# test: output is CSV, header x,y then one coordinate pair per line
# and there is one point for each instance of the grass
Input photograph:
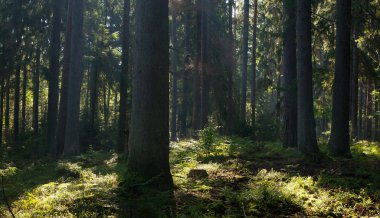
x,y
245,179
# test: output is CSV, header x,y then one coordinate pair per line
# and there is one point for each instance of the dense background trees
x,y
80,75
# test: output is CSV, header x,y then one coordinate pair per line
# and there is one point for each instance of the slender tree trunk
x,y
290,74
306,136
253,82
36,92
197,124
7,108
340,131
149,140
360,115
23,100
204,77
16,109
94,98
1,112
71,146
354,92
244,61
54,75
186,72
123,108
173,123
62,116
369,114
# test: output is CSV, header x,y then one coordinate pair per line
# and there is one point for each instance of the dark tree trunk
x,y
230,71
23,100
204,77
1,112
94,98
306,136
339,144
16,109
71,146
36,92
354,92
62,116
197,124
186,73
7,108
360,115
253,82
173,122
290,74
244,61
369,111
149,139
123,107
54,75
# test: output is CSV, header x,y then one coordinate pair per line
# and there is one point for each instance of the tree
x,y
244,61
149,136
122,139
197,120
290,74
71,146
339,144
306,136
254,73
62,116
173,122
36,92
54,74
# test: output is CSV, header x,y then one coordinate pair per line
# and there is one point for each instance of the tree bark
x,y
1,111
306,136
290,74
36,92
23,100
244,61
54,75
16,104
149,139
7,108
254,72
123,107
204,76
72,146
62,116
173,122
197,124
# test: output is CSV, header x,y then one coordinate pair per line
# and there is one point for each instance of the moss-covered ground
x,y
245,179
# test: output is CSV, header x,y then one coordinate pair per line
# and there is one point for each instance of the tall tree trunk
x,y
290,74
253,82
173,122
149,140
71,146
360,115
94,98
354,92
62,116
16,109
244,61
306,136
340,131
1,112
7,108
369,111
230,71
54,75
36,92
123,107
186,72
197,124
23,100
204,77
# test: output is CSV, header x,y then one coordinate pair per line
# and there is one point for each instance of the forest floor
x,y
244,179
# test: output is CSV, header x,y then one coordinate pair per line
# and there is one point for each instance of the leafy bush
x,y
207,138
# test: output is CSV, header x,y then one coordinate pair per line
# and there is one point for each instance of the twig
x,y
5,198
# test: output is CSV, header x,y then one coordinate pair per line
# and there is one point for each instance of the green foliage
x,y
207,138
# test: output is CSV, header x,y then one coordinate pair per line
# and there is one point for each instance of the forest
x,y
189,108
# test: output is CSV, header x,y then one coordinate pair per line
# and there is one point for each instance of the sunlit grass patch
x,y
367,149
